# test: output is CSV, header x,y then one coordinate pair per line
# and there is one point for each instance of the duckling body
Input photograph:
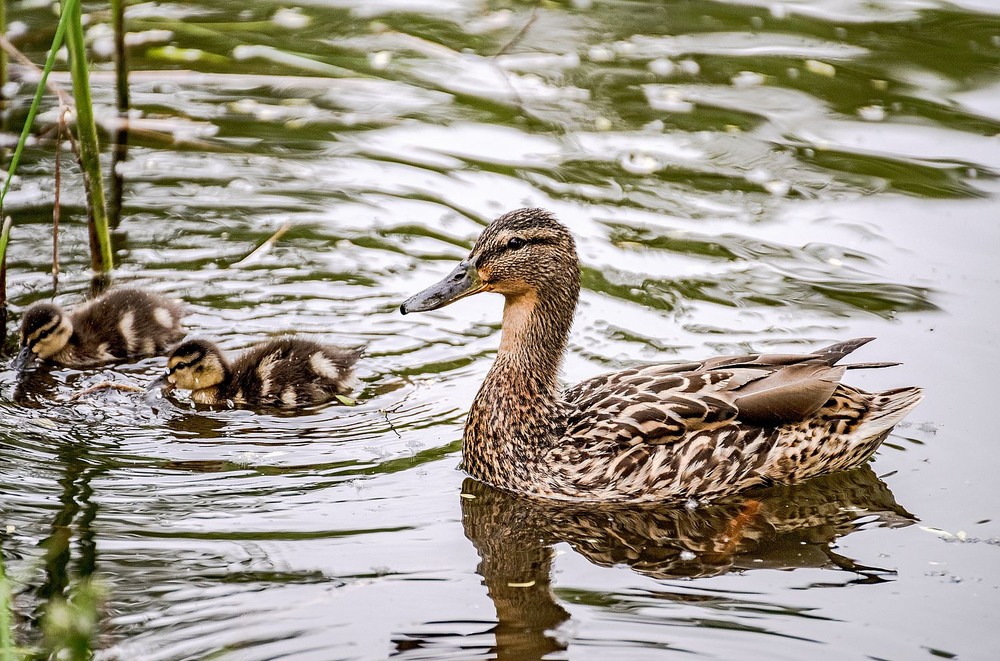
x,y
120,324
283,373
702,429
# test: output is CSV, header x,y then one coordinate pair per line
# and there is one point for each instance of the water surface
x,y
739,176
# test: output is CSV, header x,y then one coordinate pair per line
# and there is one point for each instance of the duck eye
x,y
516,243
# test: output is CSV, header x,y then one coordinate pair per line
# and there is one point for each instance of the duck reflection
x,y
35,388
776,528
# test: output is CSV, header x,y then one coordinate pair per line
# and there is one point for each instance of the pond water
x,y
765,175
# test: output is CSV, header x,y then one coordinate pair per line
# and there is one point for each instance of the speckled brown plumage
x,y
282,373
122,323
700,429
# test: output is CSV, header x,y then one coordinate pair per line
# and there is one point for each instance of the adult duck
x,y
701,429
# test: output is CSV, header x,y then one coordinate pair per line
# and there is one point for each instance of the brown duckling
x,y
283,373
701,429
120,324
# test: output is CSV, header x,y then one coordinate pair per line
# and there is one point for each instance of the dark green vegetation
x,y
738,176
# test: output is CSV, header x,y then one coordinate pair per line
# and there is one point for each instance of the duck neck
x,y
518,413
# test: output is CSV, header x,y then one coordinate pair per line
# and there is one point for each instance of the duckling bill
x,y
284,373
121,324
701,429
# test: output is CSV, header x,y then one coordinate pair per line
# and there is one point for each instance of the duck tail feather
x,y
833,353
870,366
888,408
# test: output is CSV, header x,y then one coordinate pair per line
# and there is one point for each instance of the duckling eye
x,y
178,366
516,243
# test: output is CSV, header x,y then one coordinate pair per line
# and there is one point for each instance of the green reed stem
x,y
90,149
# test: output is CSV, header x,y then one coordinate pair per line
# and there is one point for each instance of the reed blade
x,y
90,150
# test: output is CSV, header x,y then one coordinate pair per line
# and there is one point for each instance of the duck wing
x,y
664,403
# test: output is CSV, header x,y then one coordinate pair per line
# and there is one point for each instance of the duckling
x,y
120,324
283,373
696,430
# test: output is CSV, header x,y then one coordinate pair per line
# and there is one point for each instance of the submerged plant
x,y
7,650
70,625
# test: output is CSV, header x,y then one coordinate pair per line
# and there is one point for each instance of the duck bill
x,y
463,281
25,357
162,383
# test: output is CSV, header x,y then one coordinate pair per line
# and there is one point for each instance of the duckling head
x,y
45,330
524,254
196,364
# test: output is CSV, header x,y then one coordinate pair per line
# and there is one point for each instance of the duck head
x,y
193,365
45,330
524,253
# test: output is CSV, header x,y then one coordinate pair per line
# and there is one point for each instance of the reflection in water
x,y
776,528
77,509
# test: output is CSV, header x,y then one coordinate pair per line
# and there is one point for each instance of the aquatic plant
x,y
7,650
70,625
90,148
70,28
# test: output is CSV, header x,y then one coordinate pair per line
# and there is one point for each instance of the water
x,y
739,175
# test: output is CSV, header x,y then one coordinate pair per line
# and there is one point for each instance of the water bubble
x,y
16,29
244,106
670,100
380,60
872,113
626,48
662,67
600,54
747,79
640,163
134,39
102,41
758,176
821,68
291,18
690,67
777,187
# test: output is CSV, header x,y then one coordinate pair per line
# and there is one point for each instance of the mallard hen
x,y
283,373
120,324
700,429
